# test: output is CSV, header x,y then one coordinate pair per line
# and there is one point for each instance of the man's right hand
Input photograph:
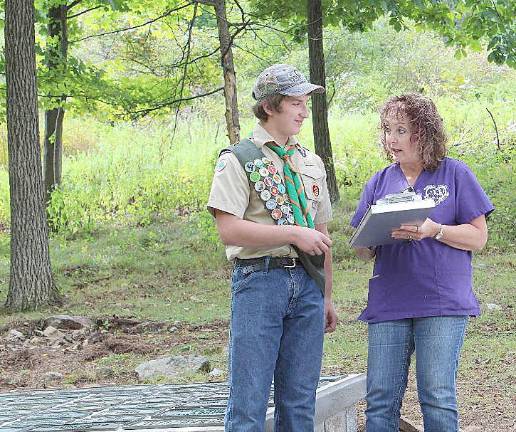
x,y
237,232
311,241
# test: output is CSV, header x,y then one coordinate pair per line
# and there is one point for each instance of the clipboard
x,y
387,215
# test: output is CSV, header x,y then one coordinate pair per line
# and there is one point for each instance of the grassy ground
x,y
173,272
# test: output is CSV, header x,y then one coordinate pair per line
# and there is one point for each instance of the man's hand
x,y
330,316
311,241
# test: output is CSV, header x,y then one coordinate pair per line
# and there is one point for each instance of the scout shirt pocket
x,y
312,177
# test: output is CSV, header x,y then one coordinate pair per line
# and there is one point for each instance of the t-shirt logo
x,y
437,192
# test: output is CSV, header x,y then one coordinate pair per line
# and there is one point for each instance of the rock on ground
x,y
172,366
68,322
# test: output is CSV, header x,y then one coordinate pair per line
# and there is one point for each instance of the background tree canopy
x,y
462,23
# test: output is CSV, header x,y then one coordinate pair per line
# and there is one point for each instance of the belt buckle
x,y
291,266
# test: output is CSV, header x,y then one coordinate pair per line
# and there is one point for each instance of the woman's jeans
x,y
277,330
437,342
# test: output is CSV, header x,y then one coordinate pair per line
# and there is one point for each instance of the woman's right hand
x,y
429,228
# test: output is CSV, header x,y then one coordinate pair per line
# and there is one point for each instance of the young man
x,y
271,204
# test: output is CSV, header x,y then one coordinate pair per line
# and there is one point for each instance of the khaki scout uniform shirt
x,y
230,192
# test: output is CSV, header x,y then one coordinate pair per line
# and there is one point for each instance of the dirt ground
x,y
73,358
70,358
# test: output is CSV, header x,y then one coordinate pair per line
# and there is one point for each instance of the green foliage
x,y
126,58
136,174
203,228
501,191
5,200
464,23
365,69
144,59
473,140
356,152
132,179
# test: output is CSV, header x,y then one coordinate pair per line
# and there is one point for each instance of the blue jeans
x,y
437,342
277,330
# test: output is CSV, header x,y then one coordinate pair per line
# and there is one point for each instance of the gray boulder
x,y
172,366
68,322
52,332
216,373
15,336
49,377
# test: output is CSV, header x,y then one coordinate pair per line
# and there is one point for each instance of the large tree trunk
x,y
31,284
230,90
319,103
55,59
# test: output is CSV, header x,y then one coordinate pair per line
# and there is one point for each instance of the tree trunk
x,y
230,90
31,284
319,103
55,59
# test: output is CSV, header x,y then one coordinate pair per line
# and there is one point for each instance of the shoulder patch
x,y
221,164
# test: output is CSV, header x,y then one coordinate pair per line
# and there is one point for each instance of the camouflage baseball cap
x,y
285,80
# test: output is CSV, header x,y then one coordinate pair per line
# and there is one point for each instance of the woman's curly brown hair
x,y
425,122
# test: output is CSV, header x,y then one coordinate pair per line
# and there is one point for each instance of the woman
x,y
420,295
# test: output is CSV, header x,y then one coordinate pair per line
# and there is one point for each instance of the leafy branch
x,y
125,29
172,102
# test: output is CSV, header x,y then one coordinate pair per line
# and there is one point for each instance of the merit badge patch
x,y
269,185
315,190
221,164
276,214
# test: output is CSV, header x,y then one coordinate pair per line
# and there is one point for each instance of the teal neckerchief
x,y
294,185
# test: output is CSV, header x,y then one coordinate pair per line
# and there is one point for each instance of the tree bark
x,y
55,59
31,284
319,102
228,67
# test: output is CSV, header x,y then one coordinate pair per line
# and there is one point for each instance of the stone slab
x,y
155,408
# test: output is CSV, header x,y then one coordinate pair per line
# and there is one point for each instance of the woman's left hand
x,y
429,228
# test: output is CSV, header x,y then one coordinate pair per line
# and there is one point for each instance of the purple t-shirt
x,y
427,277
